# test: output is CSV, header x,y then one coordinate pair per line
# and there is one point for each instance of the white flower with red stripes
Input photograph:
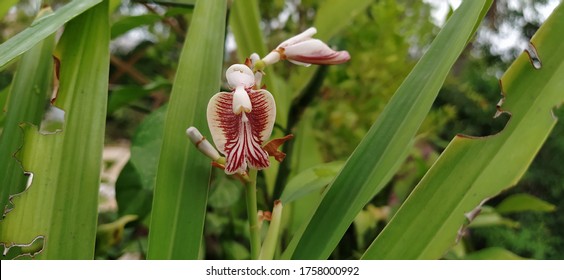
x,y
241,120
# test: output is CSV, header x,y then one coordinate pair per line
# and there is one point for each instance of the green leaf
x,y
4,93
181,191
235,250
472,169
61,204
306,151
22,251
131,196
28,97
111,234
146,146
493,253
188,3
489,217
386,144
310,180
136,182
524,202
125,95
334,15
125,24
225,192
39,30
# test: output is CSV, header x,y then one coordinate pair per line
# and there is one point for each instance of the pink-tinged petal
x,y
309,47
306,35
330,59
314,51
240,136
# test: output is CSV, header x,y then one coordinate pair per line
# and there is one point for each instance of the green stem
x,y
271,240
252,213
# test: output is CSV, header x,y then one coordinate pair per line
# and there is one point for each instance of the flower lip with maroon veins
x,y
240,121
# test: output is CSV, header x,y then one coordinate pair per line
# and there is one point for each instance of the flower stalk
x,y
254,228
271,239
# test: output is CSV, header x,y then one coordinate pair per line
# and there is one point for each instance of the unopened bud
x,y
202,143
254,58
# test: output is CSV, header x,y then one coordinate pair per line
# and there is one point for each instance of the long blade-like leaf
x,y
61,204
182,3
39,30
334,15
30,92
473,169
181,191
384,148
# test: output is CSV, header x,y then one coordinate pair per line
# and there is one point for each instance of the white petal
x,y
258,78
220,102
194,134
270,109
240,136
300,63
271,58
241,101
240,75
308,48
306,35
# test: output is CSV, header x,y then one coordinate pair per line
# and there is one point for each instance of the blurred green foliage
x,y
385,41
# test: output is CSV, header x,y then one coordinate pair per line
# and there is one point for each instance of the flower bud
x,y
302,49
202,143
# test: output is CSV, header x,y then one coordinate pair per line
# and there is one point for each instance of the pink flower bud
x,y
302,49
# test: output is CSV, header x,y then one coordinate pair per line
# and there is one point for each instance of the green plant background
x,y
168,57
